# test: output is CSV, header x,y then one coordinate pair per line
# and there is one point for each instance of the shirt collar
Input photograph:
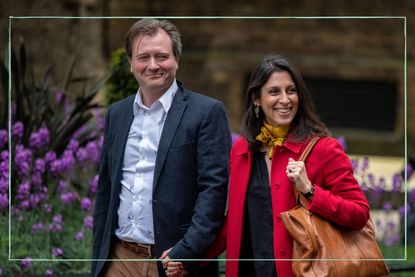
x,y
165,100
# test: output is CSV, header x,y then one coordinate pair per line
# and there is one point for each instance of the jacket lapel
x,y
122,127
169,130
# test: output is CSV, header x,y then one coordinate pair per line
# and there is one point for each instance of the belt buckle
x,y
147,249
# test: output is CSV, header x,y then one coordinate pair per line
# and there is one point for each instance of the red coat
x,y
338,197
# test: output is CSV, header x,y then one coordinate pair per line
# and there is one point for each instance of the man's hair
x,y
149,27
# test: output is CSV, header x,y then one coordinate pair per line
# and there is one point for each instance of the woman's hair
x,y
305,123
149,27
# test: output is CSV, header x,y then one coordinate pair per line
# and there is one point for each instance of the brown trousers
x,y
124,268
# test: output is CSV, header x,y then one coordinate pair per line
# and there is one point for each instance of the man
x,y
164,166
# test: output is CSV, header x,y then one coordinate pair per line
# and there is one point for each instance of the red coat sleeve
x,y
338,196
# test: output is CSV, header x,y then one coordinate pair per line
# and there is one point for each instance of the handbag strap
x,y
308,149
299,196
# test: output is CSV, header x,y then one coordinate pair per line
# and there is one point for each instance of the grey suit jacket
x,y
190,178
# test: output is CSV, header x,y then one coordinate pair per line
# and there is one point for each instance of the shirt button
x,y
282,252
278,217
277,186
130,216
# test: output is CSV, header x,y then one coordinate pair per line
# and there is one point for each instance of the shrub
x,y
55,148
121,82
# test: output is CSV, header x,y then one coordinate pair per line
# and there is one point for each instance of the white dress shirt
x,y
135,214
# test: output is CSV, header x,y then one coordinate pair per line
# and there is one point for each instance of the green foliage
x,y
121,82
38,245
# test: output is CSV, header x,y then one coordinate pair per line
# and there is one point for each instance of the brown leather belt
x,y
144,250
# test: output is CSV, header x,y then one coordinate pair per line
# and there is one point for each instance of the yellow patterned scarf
x,y
272,136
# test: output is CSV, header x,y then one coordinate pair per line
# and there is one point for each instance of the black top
x,y
257,234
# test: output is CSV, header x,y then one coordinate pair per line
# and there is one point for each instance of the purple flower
x,y
67,160
4,186
35,141
387,207
73,145
93,150
392,240
25,205
58,218
5,155
55,227
93,184
67,198
3,138
37,179
17,131
24,189
4,170
59,95
396,182
39,165
88,222
56,252
44,135
81,155
48,208
355,165
390,225
22,159
49,272
86,204
371,179
26,262
37,198
50,157
40,139
55,167
79,235
4,201
342,141
62,184
37,227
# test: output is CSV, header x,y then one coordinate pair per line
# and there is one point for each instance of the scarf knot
x,y
272,136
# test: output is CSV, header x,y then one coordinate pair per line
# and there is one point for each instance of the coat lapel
x,y
169,130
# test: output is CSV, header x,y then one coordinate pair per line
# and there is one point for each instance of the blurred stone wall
x,y
218,54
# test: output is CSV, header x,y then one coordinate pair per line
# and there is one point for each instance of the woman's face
x,y
279,99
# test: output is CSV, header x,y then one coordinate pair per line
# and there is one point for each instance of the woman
x,y
278,121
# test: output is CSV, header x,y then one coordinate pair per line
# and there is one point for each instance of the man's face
x,y
153,63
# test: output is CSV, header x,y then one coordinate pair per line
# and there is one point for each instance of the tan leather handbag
x,y
322,248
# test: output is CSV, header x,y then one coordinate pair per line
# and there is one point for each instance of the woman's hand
x,y
297,173
174,269
171,268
